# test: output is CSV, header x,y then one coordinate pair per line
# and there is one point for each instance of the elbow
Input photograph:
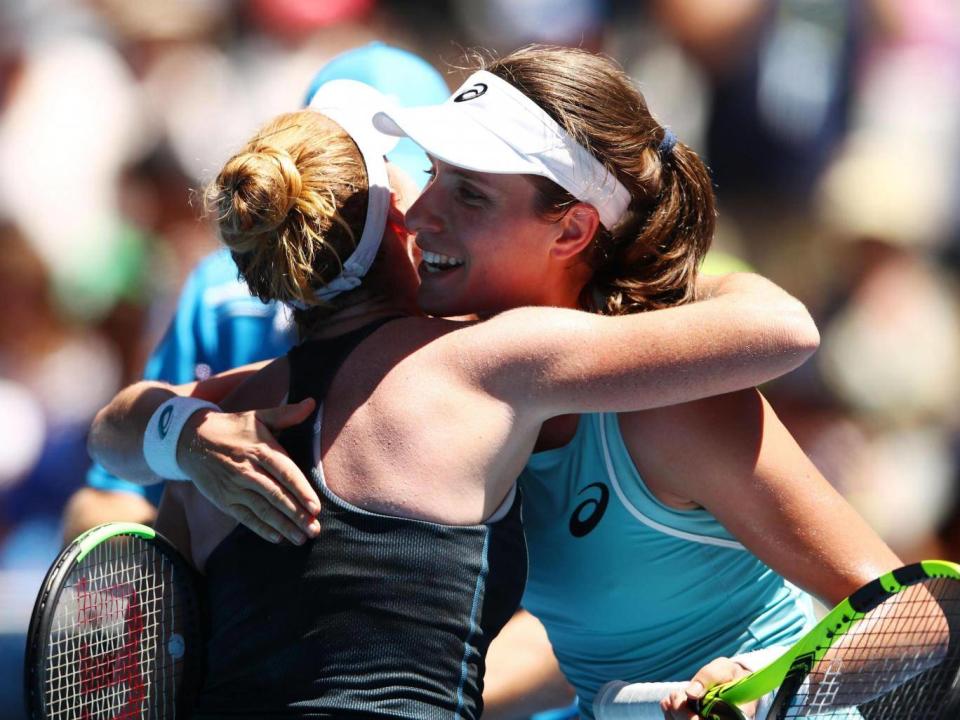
x,y
797,331
95,435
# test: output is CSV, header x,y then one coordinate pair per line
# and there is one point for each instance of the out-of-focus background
x,y
832,128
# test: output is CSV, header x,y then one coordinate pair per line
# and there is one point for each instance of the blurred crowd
x,y
832,128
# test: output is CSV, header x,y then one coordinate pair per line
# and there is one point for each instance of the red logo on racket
x,y
103,671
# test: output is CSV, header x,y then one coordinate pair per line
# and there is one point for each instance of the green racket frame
x,y
52,586
720,702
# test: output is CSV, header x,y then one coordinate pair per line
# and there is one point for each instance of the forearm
x,y
765,490
523,676
217,387
116,435
745,333
788,319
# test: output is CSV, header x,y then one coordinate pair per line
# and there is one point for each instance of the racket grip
x,y
618,700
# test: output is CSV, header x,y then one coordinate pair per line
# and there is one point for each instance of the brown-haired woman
x,y
658,539
427,424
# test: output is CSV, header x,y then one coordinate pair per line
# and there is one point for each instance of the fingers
x,y
272,458
236,462
676,706
272,491
246,517
681,704
284,416
263,519
275,461
716,672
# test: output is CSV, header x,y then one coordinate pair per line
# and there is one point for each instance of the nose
x,y
422,215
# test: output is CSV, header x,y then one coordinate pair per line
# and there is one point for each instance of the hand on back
x,y
237,464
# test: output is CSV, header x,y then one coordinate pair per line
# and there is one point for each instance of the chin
x,y
441,304
435,307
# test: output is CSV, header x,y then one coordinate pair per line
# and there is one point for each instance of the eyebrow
x,y
462,173
470,177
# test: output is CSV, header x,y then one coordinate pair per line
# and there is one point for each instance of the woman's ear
x,y
577,228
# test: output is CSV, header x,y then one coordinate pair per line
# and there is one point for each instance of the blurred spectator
x,y
69,126
41,356
507,24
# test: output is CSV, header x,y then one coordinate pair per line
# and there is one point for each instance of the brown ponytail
x,y
650,259
291,206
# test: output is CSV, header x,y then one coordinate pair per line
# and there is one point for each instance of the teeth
x,y
438,260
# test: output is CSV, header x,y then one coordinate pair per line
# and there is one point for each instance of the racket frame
x,y
799,659
34,672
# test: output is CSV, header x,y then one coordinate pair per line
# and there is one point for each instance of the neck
x,y
353,317
563,298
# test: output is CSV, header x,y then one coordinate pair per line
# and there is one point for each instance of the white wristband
x,y
163,432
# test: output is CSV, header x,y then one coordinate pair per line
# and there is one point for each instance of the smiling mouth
x,y
437,262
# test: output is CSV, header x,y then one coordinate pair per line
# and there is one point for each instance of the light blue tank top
x,y
630,589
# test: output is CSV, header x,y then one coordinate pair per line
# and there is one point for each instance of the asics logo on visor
x,y
471,93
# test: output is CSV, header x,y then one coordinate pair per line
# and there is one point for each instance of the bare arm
x,y
239,466
746,332
523,676
736,459
116,434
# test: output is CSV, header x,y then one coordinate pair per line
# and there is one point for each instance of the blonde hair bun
x,y
258,189
290,205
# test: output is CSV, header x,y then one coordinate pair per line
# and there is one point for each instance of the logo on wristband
x,y
165,418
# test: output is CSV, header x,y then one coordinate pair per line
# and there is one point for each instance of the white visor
x,y
488,125
352,105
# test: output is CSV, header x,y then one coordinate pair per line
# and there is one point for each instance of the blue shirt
x,y
630,589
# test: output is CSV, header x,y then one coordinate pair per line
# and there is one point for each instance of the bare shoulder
x,y
680,449
458,344
709,422
405,356
413,341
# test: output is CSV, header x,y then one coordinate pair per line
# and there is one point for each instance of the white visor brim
x,y
490,126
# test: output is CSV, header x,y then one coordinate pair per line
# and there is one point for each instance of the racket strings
x,y
896,663
105,656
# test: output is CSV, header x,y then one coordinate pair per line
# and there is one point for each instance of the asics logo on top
x,y
588,514
471,93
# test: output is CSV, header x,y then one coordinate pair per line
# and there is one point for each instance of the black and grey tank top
x,y
378,617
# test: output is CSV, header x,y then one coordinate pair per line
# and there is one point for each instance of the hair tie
x,y
667,144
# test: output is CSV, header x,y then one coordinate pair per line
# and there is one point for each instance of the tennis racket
x,y
890,651
115,631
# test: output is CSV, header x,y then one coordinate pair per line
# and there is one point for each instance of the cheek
x,y
414,252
